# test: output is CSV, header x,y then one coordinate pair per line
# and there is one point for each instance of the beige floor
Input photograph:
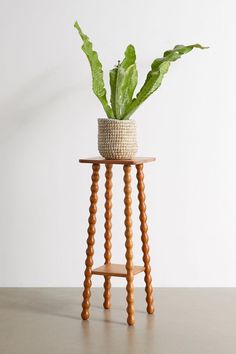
x,y
187,321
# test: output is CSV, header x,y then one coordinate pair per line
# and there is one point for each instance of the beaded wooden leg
x,y
90,243
129,245
144,238
108,234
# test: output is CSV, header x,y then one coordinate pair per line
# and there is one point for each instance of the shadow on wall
x,y
33,99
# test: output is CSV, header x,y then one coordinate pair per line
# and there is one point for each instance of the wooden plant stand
x,y
109,269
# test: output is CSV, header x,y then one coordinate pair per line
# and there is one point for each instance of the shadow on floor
x,y
48,302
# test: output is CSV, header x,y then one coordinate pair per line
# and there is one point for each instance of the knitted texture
x,y
117,138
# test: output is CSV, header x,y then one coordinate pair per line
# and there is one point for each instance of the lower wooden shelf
x,y
116,270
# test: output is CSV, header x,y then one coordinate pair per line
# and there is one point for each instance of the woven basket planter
x,y
117,138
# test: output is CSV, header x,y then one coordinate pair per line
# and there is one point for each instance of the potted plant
x,y
117,133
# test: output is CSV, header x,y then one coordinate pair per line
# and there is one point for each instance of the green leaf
x,y
129,58
123,80
154,78
127,88
96,70
113,78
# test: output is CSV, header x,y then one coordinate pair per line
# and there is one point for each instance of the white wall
x,y
48,120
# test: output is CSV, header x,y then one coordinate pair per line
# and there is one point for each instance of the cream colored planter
x,y
117,138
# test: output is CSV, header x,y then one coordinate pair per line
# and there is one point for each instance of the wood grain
x,y
108,234
90,242
134,161
145,238
116,270
129,245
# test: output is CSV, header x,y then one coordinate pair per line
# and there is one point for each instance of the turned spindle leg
x,y
90,243
108,234
129,245
144,238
